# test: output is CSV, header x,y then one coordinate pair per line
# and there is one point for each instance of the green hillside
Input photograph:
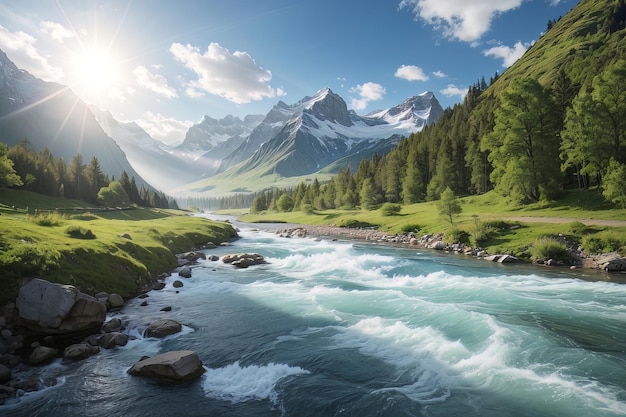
x,y
85,247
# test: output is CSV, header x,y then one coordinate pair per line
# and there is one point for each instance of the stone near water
x,y
80,351
46,307
171,367
163,327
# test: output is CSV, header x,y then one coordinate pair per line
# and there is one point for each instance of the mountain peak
x,y
328,106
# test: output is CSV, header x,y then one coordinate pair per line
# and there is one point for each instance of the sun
x,y
96,70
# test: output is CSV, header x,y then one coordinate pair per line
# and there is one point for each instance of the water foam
x,y
236,384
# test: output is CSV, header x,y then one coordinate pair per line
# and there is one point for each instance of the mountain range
x,y
51,115
316,134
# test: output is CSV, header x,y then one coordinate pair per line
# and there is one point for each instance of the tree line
x,y
529,144
21,167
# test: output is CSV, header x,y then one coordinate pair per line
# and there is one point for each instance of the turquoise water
x,y
354,329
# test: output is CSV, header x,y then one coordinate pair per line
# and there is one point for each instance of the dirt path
x,y
587,222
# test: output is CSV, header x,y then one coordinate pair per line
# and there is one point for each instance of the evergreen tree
x,y
76,185
367,194
95,178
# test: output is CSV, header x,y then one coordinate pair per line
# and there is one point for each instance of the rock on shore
x,y
51,308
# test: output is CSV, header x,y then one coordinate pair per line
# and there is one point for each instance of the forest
x,y
40,172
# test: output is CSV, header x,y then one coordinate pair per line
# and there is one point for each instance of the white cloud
x,y
235,77
24,54
452,90
166,129
367,92
439,74
506,53
57,31
153,82
411,73
465,20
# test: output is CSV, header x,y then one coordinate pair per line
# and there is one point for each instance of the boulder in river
x,y
162,328
80,351
51,308
110,340
243,260
185,272
42,354
171,367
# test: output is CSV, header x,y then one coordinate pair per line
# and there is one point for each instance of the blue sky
x,y
165,64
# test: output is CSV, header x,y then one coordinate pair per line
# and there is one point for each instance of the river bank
x,y
611,263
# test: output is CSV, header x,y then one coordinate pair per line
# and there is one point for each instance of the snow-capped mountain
x,y
317,131
210,133
159,164
211,140
51,115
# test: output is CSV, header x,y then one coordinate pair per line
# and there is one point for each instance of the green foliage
x,y
604,242
8,176
550,248
456,235
390,209
355,224
27,259
113,196
47,219
482,232
614,183
410,228
449,205
285,203
524,143
79,232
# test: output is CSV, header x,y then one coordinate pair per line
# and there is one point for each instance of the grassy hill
x,y
64,241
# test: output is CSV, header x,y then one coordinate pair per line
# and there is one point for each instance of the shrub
x,y
457,236
609,241
48,219
408,228
79,232
354,224
550,248
391,209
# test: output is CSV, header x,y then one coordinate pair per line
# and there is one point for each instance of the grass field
x,y
498,226
85,248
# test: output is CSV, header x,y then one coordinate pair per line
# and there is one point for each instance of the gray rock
x,y
113,339
177,284
185,272
213,258
42,354
87,313
45,303
54,308
170,367
162,328
243,260
115,301
80,351
113,325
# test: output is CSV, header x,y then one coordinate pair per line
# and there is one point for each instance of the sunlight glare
x,y
96,69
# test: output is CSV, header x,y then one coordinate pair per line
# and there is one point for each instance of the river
x,y
346,328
